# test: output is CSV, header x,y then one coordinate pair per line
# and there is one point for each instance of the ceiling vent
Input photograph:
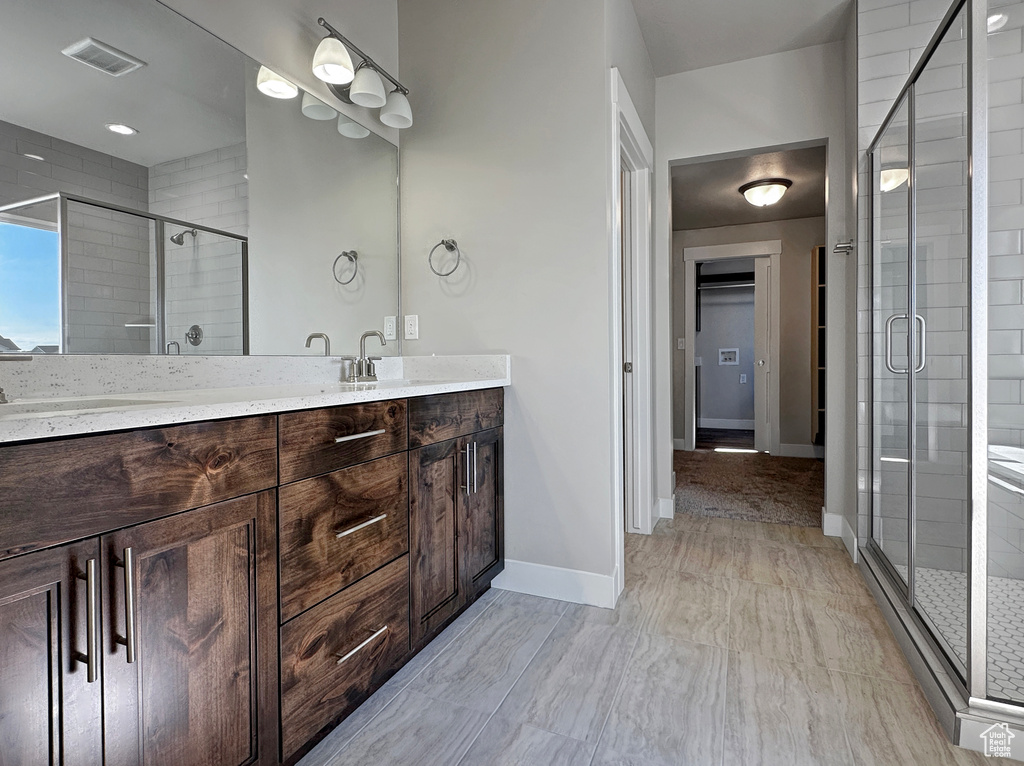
x,y
103,57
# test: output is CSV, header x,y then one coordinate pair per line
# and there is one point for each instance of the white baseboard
x,y
729,425
832,524
801,450
850,540
679,444
558,583
666,507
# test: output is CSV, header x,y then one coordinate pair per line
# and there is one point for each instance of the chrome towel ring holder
x,y
452,247
353,258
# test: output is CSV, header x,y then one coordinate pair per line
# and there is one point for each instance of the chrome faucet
x,y
327,342
12,358
363,370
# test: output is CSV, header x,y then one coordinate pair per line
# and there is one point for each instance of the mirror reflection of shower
x,y
179,238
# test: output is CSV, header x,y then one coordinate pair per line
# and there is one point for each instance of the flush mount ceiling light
x,y
270,83
315,109
350,128
997,21
364,85
892,178
121,129
332,62
765,192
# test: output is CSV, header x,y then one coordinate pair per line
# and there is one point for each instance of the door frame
x,y
772,250
629,144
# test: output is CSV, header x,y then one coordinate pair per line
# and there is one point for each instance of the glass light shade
x,y
332,62
765,193
368,89
315,109
997,21
351,129
396,112
893,178
270,83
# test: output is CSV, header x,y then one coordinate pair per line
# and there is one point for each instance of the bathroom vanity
x,y
224,591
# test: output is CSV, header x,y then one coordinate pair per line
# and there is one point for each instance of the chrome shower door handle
x,y
923,350
888,344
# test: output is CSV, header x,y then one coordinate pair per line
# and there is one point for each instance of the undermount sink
x,y
75,405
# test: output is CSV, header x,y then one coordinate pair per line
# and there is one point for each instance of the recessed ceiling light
x,y
765,192
121,129
35,157
997,21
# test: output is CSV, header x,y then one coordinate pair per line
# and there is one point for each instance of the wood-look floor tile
x,y
510,598
856,638
479,667
569,686
632,607
415,730
810,536
670,707
796,566
774,622
505,743
690,607
707,554
889,723
781,713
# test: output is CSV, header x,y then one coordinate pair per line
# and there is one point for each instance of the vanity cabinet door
x,y
436,588
50,713
201,588
481,512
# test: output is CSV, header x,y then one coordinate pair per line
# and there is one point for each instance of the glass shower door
x,y
890,347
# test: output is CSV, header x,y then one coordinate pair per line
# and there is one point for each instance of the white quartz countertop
x,y
33,418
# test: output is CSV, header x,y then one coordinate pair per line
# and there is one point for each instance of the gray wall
x,y
799,237
727,321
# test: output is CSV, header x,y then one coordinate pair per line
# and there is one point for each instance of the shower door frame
x,y
974,685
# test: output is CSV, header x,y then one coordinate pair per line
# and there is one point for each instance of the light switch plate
x,y
743,379
681,344
390,328
412,327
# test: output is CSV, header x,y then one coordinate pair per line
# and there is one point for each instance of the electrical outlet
x,y
743,379
681,344
390,328
412,327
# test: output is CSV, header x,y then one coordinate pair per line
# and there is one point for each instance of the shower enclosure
x,y
947,364
128,281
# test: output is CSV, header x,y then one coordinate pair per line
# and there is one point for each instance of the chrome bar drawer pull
x,y
362,645
92,632
475,477
128,564
365,524
364,435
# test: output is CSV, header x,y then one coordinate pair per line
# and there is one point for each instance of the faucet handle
x,y
352,367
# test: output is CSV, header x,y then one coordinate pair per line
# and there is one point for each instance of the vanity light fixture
x,y
270,83
35,157
365,86
332,62
765,192
997,21
350,128
315,109
121,129
892,178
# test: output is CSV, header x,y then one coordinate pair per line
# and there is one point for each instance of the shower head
x,y
179,238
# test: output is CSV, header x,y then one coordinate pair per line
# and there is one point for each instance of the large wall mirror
x,y
153,200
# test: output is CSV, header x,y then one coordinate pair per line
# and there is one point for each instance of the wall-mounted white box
x,y
729,356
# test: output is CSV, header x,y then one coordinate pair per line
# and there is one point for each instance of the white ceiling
x,y
188,99
682,36
706,194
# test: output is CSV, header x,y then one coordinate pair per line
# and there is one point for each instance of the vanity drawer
x,y
367,504
317,441
57,491
446,416
335,654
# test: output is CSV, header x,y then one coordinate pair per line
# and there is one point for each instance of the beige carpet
x,y
750,487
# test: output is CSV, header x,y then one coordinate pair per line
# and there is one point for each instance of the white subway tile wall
x,y
204,275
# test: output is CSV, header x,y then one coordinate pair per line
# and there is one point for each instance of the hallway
x,y
761,637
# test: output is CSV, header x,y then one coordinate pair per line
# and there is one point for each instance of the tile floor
x,y
734,643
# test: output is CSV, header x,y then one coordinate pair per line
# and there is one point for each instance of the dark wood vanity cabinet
x,y
171,596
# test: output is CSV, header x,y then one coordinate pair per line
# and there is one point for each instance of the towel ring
x,y
452,247
353,258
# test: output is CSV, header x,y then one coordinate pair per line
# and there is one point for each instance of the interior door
x,y
762,354
186,599
633,523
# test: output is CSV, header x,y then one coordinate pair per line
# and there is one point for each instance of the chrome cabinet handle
x,y
357,527
364,435
92,632
888,343
362,645
467,485
475,476
924,344
128,564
